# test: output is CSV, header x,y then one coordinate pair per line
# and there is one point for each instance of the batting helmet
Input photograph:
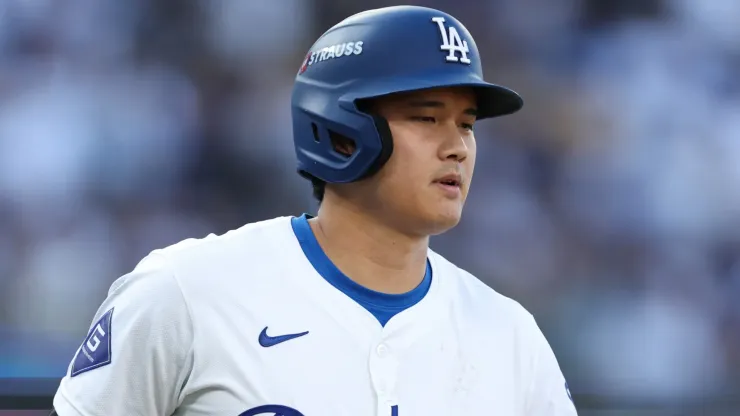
x,y
369,55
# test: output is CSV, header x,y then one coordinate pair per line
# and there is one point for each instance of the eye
x,y
424,119
467,126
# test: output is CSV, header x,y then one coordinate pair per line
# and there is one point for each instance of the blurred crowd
x,y
609,207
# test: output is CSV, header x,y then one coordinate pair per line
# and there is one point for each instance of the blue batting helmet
x,y
372,54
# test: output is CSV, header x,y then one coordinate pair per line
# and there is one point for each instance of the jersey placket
x,y
396,339
383,363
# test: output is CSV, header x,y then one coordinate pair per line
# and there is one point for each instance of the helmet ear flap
x,y
386,148
386,145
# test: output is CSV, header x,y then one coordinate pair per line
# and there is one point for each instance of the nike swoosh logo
x,y
268,341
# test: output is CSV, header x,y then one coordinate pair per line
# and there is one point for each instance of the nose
x,y
454,145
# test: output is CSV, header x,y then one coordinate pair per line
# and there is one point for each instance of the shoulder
x,y
213,268
481,303
241,242
163,276
245,248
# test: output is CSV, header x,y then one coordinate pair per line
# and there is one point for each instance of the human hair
x,y
319,188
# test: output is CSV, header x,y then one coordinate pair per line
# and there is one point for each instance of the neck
x,y
369,251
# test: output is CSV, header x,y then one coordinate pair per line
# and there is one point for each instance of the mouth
x,y
453,184
450,180
450,185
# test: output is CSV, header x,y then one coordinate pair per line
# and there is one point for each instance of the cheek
x,y
469,162
411,152
400,172
405,173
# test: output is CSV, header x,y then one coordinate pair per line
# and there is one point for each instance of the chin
x,y
429,217
443,220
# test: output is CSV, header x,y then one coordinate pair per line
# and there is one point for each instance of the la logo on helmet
x,y
452,43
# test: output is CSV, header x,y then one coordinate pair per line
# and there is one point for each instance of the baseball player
x,y
346,313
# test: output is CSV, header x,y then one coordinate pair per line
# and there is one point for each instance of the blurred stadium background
x,y
609,207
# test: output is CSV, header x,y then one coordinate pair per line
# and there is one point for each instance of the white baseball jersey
x,y
258,322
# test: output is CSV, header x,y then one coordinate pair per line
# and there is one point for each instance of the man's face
x,y
424,184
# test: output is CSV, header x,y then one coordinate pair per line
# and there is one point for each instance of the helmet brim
x,y
493,100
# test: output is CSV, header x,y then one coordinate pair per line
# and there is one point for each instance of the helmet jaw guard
x,y
361,58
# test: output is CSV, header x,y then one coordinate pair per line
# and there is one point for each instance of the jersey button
x,y
382,350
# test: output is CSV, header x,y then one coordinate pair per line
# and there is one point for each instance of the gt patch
x,y
95,352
